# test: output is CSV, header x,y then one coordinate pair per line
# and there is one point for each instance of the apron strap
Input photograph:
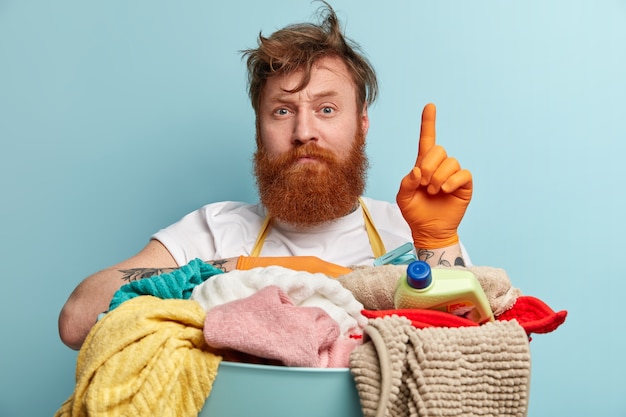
x,y
375,241
260,240
378,248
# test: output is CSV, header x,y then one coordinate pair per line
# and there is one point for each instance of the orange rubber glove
x,y
434,196
297,263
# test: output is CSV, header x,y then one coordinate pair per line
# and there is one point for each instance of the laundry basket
x,y
244,390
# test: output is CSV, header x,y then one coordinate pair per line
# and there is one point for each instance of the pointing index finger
x,y
427,131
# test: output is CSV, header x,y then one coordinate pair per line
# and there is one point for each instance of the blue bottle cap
x,y
419,275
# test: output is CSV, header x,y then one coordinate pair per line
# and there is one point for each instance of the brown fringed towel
x,y
466,371
374,286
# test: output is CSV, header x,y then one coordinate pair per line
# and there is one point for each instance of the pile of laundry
x,y
278,315
158,348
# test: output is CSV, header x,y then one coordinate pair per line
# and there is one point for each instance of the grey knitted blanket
x,y
467,371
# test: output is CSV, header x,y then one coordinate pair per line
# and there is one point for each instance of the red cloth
x,y
531,313
534,315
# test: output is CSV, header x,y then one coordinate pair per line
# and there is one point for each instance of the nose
x,y
304,129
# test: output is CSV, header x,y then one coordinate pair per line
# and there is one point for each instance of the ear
x,y
365,120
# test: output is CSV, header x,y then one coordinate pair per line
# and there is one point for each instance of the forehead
x,y
329,76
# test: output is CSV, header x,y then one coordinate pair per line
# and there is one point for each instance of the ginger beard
x,y
308,194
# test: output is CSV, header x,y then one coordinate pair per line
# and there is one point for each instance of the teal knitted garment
x,y
176,284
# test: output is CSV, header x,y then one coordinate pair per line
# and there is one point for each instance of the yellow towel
x,y
147,357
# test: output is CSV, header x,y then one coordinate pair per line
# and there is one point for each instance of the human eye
x,y
327,110
281,111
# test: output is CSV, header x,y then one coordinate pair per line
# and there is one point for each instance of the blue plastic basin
x,y
244,390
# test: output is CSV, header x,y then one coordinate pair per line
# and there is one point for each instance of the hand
x,y
433,197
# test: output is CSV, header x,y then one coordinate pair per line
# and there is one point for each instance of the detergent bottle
x,y
454,291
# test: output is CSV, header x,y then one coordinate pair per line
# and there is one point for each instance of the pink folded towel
x,y
268,325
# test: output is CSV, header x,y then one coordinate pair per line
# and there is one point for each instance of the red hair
x,y
298,47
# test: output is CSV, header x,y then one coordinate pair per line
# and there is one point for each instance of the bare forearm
x,y
93,297
226,265
448,256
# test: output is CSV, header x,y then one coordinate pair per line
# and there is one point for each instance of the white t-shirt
x,y
230,229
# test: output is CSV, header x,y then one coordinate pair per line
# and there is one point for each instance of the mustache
x,y
310,151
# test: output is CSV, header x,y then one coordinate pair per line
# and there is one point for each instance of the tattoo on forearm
x,y
136,274
443,262
220,264
425,255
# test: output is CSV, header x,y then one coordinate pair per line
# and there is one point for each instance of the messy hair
x,y
298,47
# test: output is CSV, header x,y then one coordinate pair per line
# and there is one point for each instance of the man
x,y
310,89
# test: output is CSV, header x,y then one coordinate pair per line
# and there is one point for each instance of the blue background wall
x,y
117,118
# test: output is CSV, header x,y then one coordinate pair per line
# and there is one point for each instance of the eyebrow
x,y
284,97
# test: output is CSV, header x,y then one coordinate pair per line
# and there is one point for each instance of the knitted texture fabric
x,y
373,286
176,284
466,371
148,357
